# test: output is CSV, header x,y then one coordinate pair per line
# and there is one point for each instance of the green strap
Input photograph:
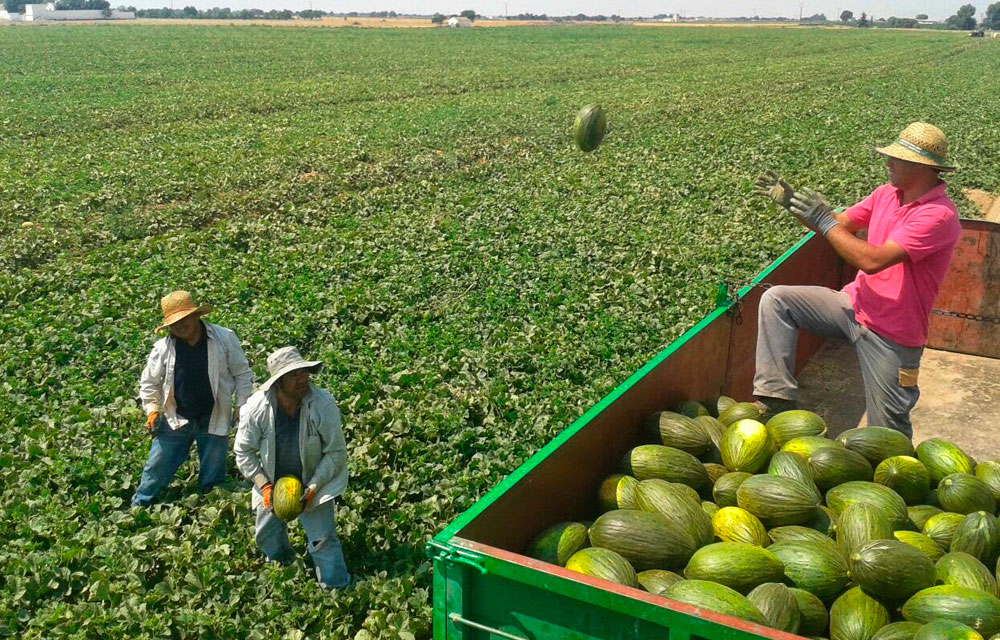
x,y
933,157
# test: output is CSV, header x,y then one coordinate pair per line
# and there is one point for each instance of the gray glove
x,y
813,210
770,185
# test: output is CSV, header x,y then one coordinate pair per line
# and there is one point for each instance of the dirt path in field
x,y
988,203
342,22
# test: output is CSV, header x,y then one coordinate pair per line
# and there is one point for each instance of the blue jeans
x,y
170,449
889,370
320,525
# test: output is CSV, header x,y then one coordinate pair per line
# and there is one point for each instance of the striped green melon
x,y
859,524
675,503
715,471
739,411
796,423
732,524
813,616
714,429
778,501
603,563
720,406
816,567
692,409
646,540
989,472
876,443
666,463
617,492
724,491
898,631
678,431
832,466
942,527
857,616
746,446
965,493
943,458
589,127
709,508
946,630
978,534
977,609
891,569
715,597
791,465
777,603
905,475
286,498
557,543
657,580
797,533
920,541
920,513
808,445
737,565
883,498
963,570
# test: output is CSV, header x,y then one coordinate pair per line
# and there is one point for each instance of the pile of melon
x,y
861,537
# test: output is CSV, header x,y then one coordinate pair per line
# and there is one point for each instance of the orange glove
x,y
308,496
151,422
266,492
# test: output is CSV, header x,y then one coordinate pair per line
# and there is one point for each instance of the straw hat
x,y
179,305
921,143
286,360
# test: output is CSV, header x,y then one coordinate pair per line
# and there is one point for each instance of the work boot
x,y
770,407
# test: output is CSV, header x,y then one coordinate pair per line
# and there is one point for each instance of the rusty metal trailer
x,y
484,587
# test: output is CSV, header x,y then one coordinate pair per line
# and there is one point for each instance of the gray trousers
x,y
889,370
320,525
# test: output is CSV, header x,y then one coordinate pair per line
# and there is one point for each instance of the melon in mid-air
x,y
590,127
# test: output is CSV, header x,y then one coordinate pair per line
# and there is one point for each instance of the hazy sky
x,y
936,9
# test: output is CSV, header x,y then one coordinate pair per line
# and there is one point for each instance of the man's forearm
x,y
861,254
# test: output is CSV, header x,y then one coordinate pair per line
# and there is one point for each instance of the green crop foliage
x,y
409,207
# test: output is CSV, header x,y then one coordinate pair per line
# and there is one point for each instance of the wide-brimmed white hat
x,y
285,360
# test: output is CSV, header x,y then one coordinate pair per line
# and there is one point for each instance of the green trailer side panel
x,y
514,600
560,482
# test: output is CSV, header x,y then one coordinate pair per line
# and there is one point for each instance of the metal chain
x,y
966,316
733,288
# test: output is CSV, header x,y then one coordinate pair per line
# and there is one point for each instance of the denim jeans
x,y
169,450
320,525
887,368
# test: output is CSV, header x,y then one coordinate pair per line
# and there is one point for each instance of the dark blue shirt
x,y
192,388
287,461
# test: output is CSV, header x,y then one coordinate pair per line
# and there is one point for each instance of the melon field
x,y
408,207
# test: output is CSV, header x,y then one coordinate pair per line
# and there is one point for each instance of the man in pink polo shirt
x,y
912,230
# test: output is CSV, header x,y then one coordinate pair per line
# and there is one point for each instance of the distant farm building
x,y
48,12
459,21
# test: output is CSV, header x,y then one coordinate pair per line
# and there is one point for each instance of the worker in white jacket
x,y
187,391
290,427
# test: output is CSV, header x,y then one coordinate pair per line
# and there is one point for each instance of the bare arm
x,y
862,254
